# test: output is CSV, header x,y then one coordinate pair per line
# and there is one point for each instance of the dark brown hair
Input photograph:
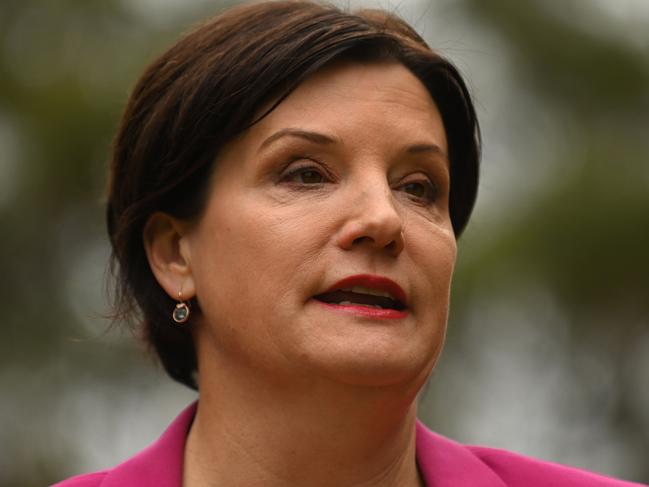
x,y
206,89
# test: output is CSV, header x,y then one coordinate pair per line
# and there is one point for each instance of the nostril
x,y
364,231
360,240
392,246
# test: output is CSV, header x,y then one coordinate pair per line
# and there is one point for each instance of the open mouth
x,y
361,296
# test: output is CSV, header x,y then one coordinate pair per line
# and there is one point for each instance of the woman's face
x,y
326,248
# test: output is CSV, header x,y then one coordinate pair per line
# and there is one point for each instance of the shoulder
x,y
158,465
86,480
447,463
515,469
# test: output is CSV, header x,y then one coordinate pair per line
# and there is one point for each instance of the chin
x,y
378,365
380,376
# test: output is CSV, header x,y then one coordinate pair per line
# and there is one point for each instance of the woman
x,y
287,187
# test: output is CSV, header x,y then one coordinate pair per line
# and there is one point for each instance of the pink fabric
x,y
158,465
442,463
446,463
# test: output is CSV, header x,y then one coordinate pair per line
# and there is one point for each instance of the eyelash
x,y
430,189
310,166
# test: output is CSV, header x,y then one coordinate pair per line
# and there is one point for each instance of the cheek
x,y
434,254
231,265
250,257
436,259
227,255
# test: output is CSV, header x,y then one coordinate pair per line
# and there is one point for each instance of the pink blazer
x,y
442,462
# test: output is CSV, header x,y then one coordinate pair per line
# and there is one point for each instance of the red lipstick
x,y
372,282
397,309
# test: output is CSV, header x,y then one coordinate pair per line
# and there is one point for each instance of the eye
x,y
420,190
306,174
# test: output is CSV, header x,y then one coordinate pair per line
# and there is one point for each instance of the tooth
x,y
365,290
349,303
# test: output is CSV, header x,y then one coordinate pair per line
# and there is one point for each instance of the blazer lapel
x,y
161,463
446,463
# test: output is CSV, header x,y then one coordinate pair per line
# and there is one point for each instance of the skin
x,y
292,392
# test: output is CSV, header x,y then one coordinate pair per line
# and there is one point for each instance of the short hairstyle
x,y
206,89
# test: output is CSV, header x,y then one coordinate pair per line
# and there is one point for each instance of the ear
x,y
168,252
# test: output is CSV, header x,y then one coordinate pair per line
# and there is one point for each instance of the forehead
x,y
375,82
348,96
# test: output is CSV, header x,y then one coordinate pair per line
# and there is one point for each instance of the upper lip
x,y
371,282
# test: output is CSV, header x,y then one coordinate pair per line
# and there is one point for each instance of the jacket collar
x,y
442,462
445,463
161,463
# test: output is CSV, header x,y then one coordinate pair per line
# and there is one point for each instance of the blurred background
x,y
548,345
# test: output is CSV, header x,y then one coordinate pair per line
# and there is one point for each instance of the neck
x,y
316,434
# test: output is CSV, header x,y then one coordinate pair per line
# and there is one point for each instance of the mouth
x,y
367,295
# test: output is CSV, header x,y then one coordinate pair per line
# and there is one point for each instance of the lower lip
x,y
357,310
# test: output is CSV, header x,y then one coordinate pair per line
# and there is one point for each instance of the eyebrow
x,y
430,148
314,137
322,139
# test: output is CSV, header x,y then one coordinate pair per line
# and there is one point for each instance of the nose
x,y
373,221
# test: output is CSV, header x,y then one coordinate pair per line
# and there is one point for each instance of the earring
x,y
181,311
